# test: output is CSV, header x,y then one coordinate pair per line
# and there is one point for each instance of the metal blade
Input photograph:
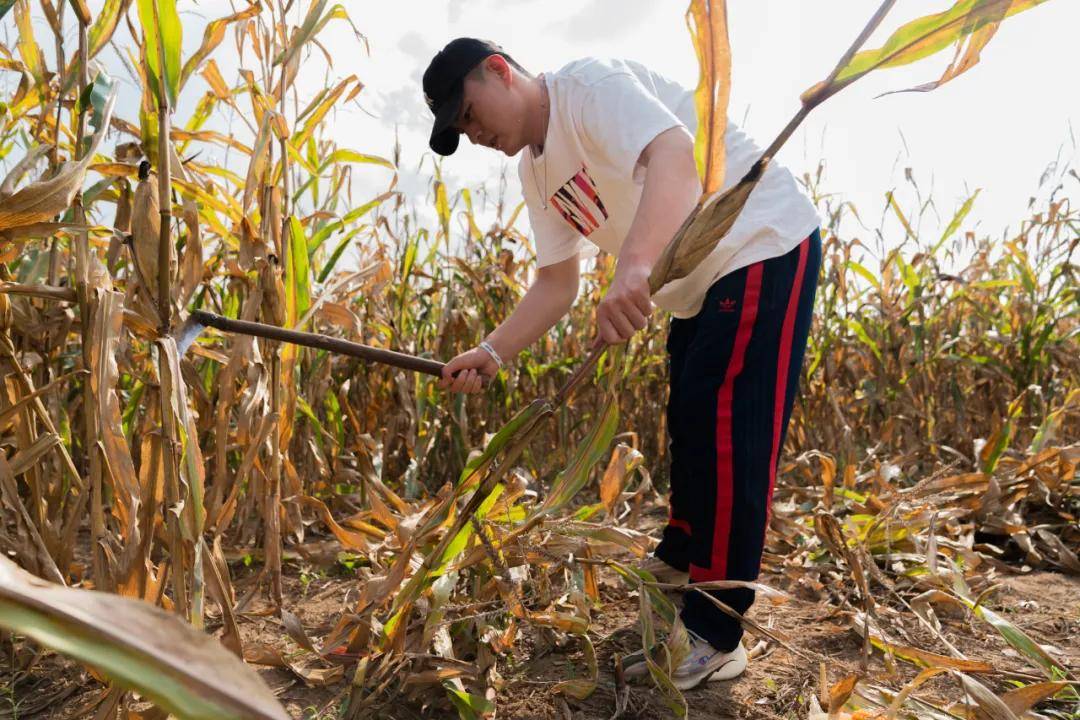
x,y
189,331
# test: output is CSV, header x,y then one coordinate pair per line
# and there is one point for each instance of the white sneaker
x,y
663,572
706,663
703,664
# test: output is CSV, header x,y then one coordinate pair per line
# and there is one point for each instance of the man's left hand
x,y
626,307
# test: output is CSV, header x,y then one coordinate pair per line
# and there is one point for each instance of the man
x,y
607,161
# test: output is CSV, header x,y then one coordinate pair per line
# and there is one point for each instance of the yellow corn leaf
x,y
212,75
925,658
699,234
707,21
212,37
313,24
313,115
103,28
840,692
442,206
348,538
260,155
29,51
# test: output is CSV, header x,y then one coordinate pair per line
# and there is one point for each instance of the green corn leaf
x,y
305,409
1019,640
138,646
462,538
864,273
517,424
860,332
468,706
409,259
591,450
332,261
956,221
297,274
344,155
972,20
94,97
162,33
358,212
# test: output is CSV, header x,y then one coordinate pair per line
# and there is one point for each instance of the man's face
x,y
492,109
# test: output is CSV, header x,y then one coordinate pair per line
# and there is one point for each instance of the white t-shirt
x,y
603,113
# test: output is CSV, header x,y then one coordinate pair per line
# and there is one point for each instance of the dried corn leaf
x,y
40,201
624,460
212,37
992,707
707,22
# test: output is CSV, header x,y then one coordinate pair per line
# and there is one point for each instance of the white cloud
x,y
609,18
417,47
404,107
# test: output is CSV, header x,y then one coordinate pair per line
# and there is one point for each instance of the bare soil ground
x,y
778,682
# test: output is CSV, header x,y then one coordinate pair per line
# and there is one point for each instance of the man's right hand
x,y
466,372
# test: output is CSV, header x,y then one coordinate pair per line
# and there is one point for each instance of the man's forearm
x,y
542,305
671,190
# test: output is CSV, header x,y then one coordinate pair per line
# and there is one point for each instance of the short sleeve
x,y
555,240
619,117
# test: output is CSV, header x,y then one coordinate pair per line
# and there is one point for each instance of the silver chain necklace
x,y
532,160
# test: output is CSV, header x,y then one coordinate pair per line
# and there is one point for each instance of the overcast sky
x,y
997,128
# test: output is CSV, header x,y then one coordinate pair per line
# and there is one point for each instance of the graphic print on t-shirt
x,y
579,203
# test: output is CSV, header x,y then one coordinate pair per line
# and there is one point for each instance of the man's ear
x,y
497,66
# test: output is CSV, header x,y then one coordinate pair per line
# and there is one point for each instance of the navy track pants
x,y
734,370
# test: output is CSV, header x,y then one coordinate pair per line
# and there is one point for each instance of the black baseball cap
x,y
444,83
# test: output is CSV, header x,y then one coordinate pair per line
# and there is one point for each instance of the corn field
x,y
177,515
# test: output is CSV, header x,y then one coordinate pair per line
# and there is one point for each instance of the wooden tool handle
x,y
323,342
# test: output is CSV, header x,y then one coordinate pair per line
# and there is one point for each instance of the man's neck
x,y
542,104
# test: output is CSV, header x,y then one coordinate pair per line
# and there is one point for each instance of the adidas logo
x,y
727,305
